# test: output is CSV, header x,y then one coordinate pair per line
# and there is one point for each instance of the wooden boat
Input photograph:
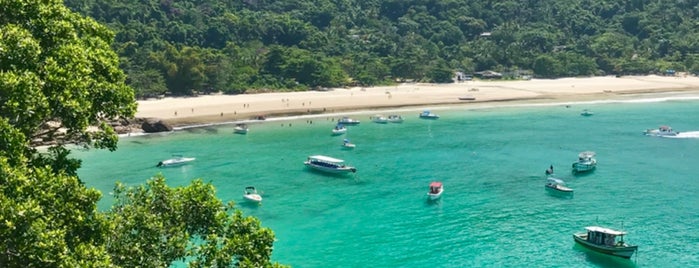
x,y
586,162
605,240
328,164
436,190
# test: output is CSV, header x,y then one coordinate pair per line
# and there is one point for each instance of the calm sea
x,y
494,211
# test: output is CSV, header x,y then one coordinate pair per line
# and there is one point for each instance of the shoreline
x,y
187,112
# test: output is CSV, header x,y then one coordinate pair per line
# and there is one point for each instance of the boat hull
x,y
559,189
621,251
253,197
432,196
174,162
583,167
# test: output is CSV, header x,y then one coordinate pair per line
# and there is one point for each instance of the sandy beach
x,y
228,108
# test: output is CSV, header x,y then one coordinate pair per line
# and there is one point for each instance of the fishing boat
x,y
394,118
426,114
251,194
339,129
605,240
586,162
661,131
347,121
436,190
347,144
177,160
557,185
241,129
379,119
328,164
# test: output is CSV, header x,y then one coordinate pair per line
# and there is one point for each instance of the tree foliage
x,y
58,73
491,34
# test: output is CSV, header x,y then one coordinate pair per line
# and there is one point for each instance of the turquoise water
x,y
494,212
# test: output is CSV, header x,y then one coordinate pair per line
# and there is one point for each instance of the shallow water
x,y
494,211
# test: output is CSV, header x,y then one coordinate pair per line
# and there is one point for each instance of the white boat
x,y
605,240
241,129
395,118
339,129
347,121
426,114
436,190
328,164
586,162
661,131
177,160
379,119
586,112
251,194
347,144
557,185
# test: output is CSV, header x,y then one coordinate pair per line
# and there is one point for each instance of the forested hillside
x,y
192,46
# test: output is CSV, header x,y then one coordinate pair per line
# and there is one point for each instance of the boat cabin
x,y
586,156
605,236
435,187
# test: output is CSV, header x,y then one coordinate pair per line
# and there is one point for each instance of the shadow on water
x,y
604,260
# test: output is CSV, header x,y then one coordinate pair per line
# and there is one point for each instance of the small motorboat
x,y
252,195
586,162
586,112
468,97
436,190
241,129
379,119
661,131
348,121
426,114
347,144
605,240
394,118
557,185
339,129
177,160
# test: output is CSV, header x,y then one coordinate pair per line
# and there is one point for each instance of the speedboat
x,y
328,164
586,112
605,240
557,185
347,121
586,162
436,190
252,195
661,131
241,129
426,114
395,118
379,119
177,160
347,144
339,129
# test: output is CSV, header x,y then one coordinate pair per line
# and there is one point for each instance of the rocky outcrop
x,y
153,125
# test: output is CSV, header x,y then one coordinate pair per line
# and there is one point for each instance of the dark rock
x,y
153,125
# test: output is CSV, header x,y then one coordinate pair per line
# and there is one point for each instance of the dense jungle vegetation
x,y
198,46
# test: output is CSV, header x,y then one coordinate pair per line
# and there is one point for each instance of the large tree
x,y
58,74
